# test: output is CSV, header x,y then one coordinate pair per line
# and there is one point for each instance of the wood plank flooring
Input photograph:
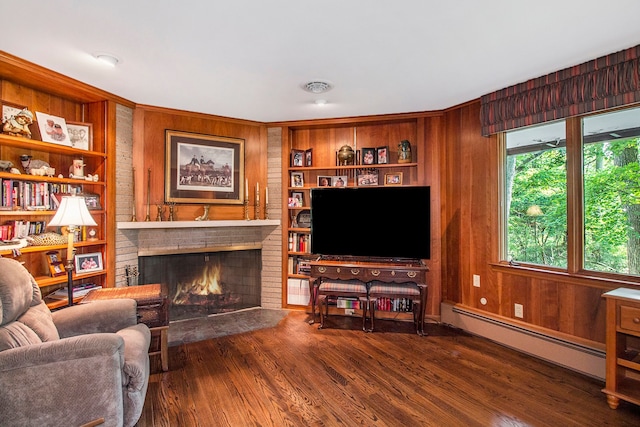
x,y
297,375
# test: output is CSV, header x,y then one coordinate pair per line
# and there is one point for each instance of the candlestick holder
x,y
246,209
266,211
257,209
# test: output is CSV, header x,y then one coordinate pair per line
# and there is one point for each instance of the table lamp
x,y
74,214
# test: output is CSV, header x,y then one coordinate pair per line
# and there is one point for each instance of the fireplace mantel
x,y
142,225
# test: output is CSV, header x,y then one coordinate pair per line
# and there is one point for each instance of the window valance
x,y
609,81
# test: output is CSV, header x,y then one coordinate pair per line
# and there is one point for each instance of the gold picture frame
x,y
394,178
203,168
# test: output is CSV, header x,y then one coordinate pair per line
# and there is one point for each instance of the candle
x,y
246,189
266,195
257,191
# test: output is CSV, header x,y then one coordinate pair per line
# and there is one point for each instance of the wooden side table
x,y
623,346
153,311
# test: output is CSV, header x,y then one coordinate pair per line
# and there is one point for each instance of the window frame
x,y
575,209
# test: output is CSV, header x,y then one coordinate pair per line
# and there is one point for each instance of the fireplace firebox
x,y
205,283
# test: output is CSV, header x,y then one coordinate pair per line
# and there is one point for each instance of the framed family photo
x,y
297,158
203,168
393,178
368,156
86,263
340,181
53,129
297,179
367,177
56,267
382,155
80,135
298,198
324,181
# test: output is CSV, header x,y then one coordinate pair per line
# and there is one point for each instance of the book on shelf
x,y
394,304
78,291
344,302
299,242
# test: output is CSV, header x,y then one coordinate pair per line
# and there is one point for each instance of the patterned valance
x,y
606,82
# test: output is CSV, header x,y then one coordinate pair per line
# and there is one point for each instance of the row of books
x,y
78,291
20,228
394,304
29,195
298,265
382,304
343,302
299,242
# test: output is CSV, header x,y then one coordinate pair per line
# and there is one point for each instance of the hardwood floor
x,y
297,375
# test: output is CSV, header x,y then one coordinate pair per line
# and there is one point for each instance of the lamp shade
x,y
72,212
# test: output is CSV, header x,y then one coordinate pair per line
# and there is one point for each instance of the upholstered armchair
x,y
70,367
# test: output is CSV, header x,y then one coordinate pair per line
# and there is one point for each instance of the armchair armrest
x,y
95,317
74,381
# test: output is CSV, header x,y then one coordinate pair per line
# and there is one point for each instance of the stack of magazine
x,y
78,291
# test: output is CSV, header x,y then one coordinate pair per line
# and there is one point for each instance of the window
x,y
606,226
612,192
536,195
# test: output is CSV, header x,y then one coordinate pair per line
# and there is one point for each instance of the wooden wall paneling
x,y
108,110
589,311
452,288
286,141
520,293
154,121
428,148
566,308
544,304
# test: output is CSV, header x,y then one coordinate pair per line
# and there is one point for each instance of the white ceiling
x,y
248,59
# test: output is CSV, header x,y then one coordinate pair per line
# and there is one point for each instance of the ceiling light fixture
x,y
107,59
317,86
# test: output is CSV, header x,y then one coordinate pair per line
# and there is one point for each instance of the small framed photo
x,y
86,263
308,157
298,197
56,267
393,178
367,177
297,179
297,158
383,155
324,181
53,129
369,156
340,181
80,135
92,200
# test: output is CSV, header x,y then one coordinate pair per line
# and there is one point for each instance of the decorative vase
x,y
345,155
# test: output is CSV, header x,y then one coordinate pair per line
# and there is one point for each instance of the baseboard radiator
x,y
583,359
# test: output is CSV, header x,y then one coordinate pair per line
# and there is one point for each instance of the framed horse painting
x,y
203,168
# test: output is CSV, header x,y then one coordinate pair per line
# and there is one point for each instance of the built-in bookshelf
x,y
312,159
29,200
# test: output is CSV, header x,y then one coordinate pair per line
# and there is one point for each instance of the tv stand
x,y
410,272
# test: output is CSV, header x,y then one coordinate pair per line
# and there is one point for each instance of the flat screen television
x,y
371,222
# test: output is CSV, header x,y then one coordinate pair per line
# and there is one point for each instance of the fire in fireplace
x,y
201,284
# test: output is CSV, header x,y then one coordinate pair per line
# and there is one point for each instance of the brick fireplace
x,y
210,281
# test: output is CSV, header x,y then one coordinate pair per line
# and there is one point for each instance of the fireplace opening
x,y
201,284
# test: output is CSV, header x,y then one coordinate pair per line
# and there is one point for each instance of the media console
x,y
410,273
